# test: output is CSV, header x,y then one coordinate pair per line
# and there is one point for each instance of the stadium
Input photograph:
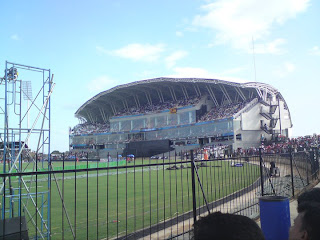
x,y
92,193
159,115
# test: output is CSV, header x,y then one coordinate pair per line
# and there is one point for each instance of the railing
x,y
149,198
249,106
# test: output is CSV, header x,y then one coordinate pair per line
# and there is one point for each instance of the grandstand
x,y
158,115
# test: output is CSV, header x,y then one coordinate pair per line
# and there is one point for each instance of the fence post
x,y
261,172
291,167
315,162
318,166
312,161
307,160
194,204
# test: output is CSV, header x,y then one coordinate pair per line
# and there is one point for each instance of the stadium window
x,y
239,137
230,137
100,146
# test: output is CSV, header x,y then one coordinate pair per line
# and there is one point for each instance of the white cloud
x,y
140,52
15,37
315,51
290,67
179,34
100,84
189,72
284,70
235,22
273,47
174,57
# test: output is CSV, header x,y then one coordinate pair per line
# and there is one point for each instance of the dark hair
x,y
310,195
310,219
228,227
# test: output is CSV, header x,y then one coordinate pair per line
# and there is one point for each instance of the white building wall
x,y
251,120
249,123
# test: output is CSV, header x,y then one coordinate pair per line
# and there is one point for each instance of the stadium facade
x,y
158,115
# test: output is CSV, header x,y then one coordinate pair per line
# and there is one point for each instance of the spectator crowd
x,y
89,128
215,113
297,144
158,107
224,111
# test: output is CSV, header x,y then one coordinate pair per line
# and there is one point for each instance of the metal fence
x,y
145,198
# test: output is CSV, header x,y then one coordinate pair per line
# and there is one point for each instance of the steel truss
x,y
26,147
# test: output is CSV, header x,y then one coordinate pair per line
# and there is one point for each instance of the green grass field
x,y
125,200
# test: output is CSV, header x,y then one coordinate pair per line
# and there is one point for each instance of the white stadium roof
x,y
106,103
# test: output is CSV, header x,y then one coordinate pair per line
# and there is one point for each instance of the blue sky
x,y
91,46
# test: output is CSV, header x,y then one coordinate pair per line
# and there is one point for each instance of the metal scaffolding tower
x,y
25,146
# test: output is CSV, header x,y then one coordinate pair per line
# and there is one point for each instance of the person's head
x,y
227,226
306,225
312,195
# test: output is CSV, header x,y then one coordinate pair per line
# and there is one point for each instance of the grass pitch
x,y
110,203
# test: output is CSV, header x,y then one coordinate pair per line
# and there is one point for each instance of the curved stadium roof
x,y
105,104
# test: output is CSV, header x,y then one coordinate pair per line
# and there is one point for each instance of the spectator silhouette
x,y
306,224
311,195
228,227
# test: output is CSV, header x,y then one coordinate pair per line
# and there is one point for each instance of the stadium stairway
x,y
266,115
